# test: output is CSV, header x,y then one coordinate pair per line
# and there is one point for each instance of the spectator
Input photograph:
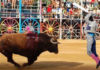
x,y
49,9
8,5
13,4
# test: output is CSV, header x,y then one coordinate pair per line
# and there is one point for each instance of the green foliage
x,y
48,2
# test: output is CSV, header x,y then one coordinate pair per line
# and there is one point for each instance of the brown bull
x,y
17,43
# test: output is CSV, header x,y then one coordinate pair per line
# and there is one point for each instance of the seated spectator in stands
x,y
27,2
2,4
57,3
24,2
53,2
49,9
54,11
31,2
44,10
64,12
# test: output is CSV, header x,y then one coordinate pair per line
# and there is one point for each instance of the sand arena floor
x,y
72,56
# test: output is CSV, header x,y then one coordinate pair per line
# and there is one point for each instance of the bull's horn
x,y
51,40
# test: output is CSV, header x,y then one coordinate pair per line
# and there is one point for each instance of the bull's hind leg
x,y
9,58
30,61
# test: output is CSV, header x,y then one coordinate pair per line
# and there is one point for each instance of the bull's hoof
x,y
25,64
17,65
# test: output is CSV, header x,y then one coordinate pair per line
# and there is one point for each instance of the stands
x,y
69,17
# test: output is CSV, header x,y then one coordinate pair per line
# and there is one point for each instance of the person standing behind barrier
x,y
8,8
13,4
29,28
91,28
31,36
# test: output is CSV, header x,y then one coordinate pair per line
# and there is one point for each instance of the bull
x,y
17,44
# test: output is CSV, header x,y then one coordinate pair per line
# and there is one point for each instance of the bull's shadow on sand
x,y
44,65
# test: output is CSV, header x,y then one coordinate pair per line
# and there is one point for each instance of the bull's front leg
x,y
10,59
30,61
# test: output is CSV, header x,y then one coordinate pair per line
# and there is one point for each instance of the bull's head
x,y
53,45
49,42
